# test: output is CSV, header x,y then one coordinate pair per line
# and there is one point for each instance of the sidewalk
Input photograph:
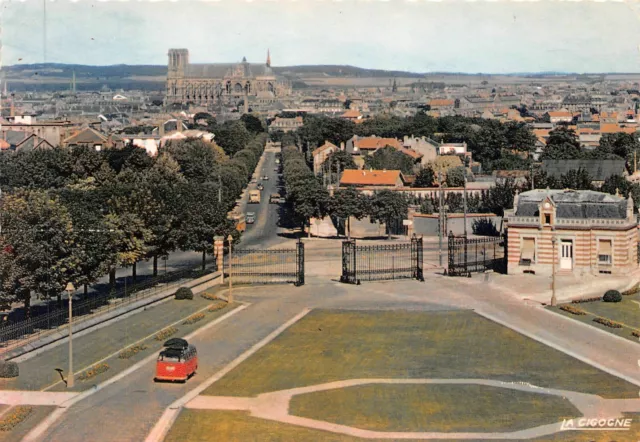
x,y
537,288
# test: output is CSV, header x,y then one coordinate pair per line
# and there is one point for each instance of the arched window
x,y
237,88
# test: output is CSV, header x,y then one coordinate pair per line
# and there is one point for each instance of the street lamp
x,y
554,301
70,289
230,239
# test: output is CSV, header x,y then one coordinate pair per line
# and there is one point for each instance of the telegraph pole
x,y
464,202
219,189
440,217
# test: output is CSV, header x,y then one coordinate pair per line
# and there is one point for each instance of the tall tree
x,y
455,177
349,203
562,144
390,159
425,177
388,206
252,123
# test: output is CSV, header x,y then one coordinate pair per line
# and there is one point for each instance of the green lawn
x,y
626,312
433,407
38,414
329,345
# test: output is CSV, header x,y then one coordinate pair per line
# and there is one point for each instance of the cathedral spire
x,y
268,58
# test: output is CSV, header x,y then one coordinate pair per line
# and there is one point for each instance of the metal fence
x,y
34,327
382,262
473,255
271,266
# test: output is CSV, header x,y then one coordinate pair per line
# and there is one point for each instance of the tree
x,y
622,145
232,136
388,158
562,144
318,129
577,179
200,218
425,177
349,203
519,137
455,177
427,207
310,200
198,159
252,123
500,197
37,238
387,206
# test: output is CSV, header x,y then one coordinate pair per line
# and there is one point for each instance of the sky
x,y
417,36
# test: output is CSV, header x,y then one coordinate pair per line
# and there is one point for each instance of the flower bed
x,y
193,319
14,417
209,296
164,334
573,310
129,352
636,333
607,322
216,307
94,371
632,291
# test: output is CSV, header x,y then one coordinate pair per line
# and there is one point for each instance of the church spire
x,y
268,58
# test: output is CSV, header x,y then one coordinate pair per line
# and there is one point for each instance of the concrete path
x,y
22,397
275,406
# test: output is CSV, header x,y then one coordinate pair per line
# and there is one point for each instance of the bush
x,y
9,369
572,310
632,291
94,371
209,296
216,307
184,293
580,301
607,322
612,296
14,417
193,318
127,353
163,334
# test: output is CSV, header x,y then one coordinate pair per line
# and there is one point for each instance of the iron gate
x,y
474,255
381,262
266,266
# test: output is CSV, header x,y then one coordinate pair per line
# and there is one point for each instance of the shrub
x,y
632,291
163,334
216,307
209,296
127,353
193,318
14,417
9,369
580,301
94,371
636,333
612,296
572,310
607,322
184,293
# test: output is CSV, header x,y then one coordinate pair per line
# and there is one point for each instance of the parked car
x,y
177,362
260,187
251,217
282,201
274,198
266,178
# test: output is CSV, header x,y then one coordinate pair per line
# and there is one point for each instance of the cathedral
x,y
208,84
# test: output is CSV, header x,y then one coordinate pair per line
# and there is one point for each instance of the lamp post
x,y
230,239
553,272
70,289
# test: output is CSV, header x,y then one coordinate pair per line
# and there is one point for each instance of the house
x,y
424,146
52,131
285,124
598,170
352,115
365,145
453,149
561,116
575,231
442,104
321,154
383,179
87,137
33,142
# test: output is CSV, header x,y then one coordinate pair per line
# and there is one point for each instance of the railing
x,y
474,255
271,266
35,327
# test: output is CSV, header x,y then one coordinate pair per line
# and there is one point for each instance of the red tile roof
x,y
370,177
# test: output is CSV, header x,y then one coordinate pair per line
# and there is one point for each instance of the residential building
x,y
574,231
424,146
453,149
52,131
285,124
321,154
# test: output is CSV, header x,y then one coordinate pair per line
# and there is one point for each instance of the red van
x,y
177,362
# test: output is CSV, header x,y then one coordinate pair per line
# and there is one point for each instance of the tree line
x,y
74,215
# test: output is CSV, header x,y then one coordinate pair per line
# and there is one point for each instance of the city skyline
x,y
485,37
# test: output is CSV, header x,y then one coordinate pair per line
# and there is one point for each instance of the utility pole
x,y
554,300
464,202
219,189
440,217
533,186
230,297
70,289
